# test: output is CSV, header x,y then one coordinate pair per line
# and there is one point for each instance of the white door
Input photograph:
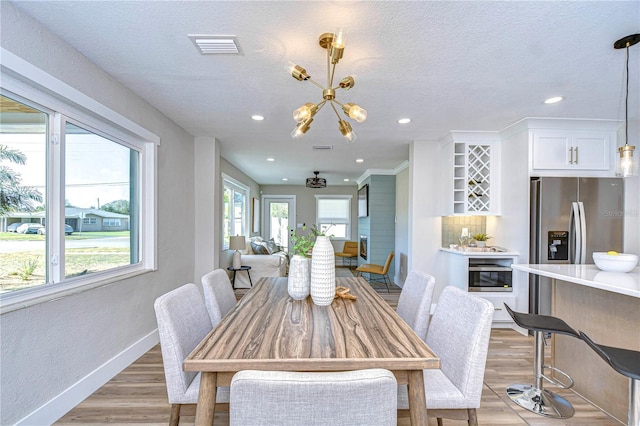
x,y
279,213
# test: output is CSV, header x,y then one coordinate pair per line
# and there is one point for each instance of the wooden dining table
x,y
268,330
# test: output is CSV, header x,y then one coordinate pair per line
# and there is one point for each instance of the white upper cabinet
x,y
571,150
571,147
473,159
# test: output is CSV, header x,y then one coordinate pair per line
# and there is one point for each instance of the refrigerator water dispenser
x,y
558,245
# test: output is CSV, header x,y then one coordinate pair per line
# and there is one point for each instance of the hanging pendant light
x,y
316,182
333,43
627,164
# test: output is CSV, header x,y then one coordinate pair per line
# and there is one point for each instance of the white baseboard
x,y
61,404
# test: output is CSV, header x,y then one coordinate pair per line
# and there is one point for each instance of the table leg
x,y
233,281
249,274
205,410
417,399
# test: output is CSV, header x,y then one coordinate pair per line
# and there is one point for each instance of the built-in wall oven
x,y
485,275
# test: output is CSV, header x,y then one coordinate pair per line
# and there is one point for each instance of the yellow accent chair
x,y
371,268
350,252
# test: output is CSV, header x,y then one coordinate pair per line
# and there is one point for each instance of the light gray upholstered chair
x,y
284,398
219,297
414,304
459,335
182,323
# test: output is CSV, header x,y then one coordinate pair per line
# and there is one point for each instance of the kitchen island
x,y
605,306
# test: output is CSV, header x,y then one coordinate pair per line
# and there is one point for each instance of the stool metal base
x,y
540,402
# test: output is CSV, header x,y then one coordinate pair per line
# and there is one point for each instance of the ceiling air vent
x,y
322,147
215,44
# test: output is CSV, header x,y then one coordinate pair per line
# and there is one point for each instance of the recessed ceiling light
x,y
404,121
285,179
359,160
554,100
257,117
346,180
271,159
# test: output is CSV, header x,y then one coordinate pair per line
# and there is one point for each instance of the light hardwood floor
x,y
138,395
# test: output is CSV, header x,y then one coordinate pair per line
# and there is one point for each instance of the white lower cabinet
x,y
500,313
461,264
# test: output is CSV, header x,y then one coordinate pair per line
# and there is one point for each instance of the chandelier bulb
x,y
348,82
347,131
355,112
296,71
301,128
305,111
337,47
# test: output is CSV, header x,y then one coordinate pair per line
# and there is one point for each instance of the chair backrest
x,y
459,334
182,324
361,397
350,247
219,297
414,304
387,264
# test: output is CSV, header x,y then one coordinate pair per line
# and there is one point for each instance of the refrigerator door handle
x,y
583,232
575,220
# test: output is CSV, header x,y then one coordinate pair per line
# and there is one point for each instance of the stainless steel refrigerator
x,y
570,219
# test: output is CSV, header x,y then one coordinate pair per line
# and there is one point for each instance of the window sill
x,y
17,300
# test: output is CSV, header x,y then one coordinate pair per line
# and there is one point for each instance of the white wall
x,y
426,174
53,354
401,258
208,205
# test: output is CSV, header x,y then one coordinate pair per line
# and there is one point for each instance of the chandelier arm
x,y
316,83
333,70
329,76
337,101
335,110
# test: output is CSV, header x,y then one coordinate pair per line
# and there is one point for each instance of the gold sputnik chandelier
x,y
334,45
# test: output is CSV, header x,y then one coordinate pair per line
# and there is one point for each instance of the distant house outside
x,y
81,220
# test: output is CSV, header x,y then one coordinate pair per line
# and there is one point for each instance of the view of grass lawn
x,y
23,269
13,236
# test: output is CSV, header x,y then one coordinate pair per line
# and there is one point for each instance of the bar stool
x,y
627,363
535,398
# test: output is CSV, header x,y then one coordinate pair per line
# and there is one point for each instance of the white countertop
x,y
590,276
480,252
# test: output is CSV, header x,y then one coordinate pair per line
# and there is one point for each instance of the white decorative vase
x,y
323,272
299,276
481,243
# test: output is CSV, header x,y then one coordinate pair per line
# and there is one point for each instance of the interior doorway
x,y
279,213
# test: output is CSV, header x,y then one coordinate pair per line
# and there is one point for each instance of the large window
x,y
334,215
235,209
72,194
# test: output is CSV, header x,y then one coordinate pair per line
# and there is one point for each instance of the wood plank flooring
x,y
138,394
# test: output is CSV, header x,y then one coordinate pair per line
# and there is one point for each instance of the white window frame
x,y
334,220
26,83
239,186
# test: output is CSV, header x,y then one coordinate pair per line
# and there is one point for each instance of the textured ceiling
x,y
449,65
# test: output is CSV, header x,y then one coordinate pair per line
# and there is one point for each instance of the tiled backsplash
x,y
452,227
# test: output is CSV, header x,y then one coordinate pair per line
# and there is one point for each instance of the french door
x,y
279,216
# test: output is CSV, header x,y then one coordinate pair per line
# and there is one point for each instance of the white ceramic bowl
x,y
615,263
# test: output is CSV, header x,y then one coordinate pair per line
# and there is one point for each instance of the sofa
x,y
265,258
